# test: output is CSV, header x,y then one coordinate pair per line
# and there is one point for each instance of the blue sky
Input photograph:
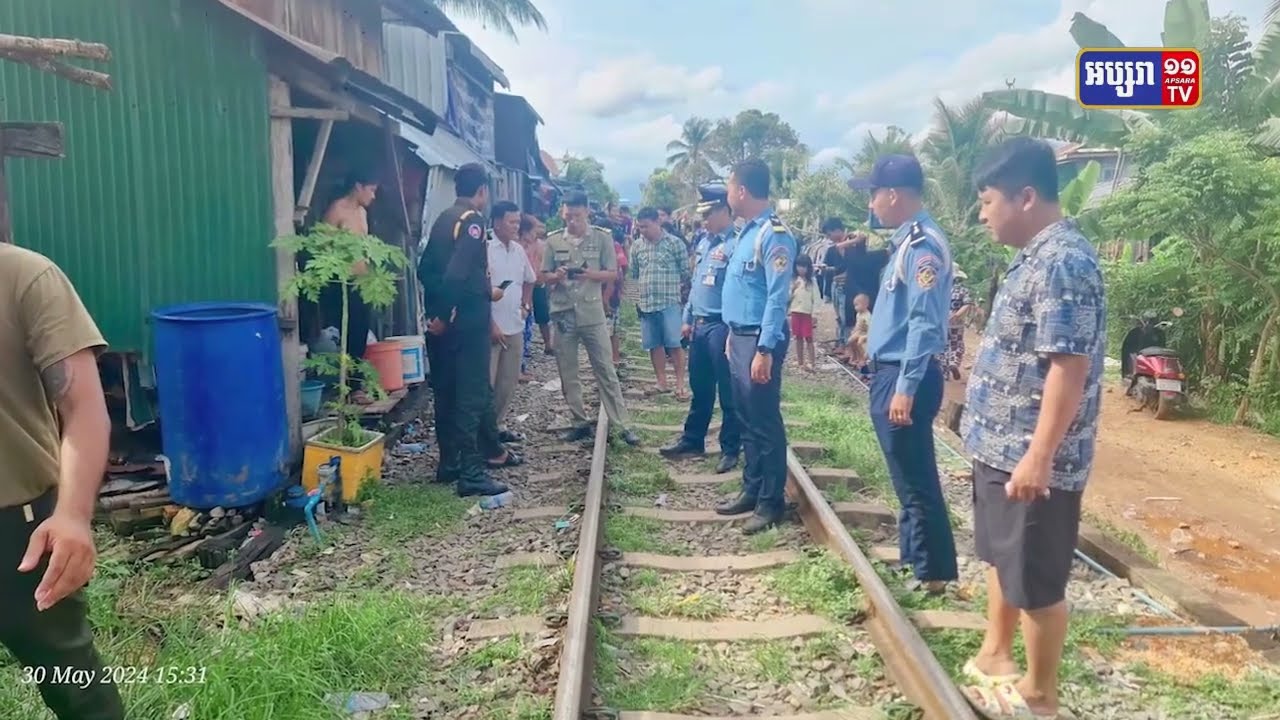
x,y
615,79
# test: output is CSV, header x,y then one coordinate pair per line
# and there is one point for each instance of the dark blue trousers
x,y
764,437
708,377
924,527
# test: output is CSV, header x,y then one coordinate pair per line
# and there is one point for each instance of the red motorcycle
x,y
1154,371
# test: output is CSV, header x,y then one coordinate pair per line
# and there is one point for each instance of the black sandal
x,y
513,460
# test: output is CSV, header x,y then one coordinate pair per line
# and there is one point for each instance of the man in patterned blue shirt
x,y
1030,422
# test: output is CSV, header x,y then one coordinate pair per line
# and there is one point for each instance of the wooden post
x,y
406,305
283,201
308,191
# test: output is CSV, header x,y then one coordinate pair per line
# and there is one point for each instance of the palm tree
x,y
503,15
688,154
959,138
896,141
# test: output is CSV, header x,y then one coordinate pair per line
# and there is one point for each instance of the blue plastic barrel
x,y
220,383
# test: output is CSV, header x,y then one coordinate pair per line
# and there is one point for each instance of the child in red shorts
x,y
804,300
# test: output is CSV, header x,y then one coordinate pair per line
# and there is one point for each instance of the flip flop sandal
x,y
982,679
512,460
1004,702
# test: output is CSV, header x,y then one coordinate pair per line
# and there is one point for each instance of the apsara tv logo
x,y
1139,78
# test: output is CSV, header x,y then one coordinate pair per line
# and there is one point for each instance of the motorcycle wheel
x,y
1165,407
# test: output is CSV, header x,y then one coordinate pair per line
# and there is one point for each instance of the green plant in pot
x,y
371,268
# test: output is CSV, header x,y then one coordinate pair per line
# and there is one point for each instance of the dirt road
x,y
1204,497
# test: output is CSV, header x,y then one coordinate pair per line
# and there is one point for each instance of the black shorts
x,y
1031,545
541,306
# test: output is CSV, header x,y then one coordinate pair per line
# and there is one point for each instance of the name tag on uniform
x,y
709,279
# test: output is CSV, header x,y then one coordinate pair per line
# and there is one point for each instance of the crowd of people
x,y
739,293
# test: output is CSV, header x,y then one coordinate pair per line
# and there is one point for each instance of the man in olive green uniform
x,y
578,262
54,437
457,297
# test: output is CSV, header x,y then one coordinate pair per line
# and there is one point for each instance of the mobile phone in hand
x,y
575,272
504,285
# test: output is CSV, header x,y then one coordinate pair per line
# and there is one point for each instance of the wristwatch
x,y
762,350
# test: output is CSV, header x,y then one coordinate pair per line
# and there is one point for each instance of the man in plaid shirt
x,y
660,264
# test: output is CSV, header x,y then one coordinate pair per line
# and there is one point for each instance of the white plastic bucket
x,y
413,351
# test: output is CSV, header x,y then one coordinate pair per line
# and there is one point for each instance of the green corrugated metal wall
x,y
164,195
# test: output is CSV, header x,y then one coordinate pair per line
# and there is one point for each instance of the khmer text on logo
x,y
1118,78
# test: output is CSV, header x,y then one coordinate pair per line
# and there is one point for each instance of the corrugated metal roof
x,y
416,63
442,149
164,195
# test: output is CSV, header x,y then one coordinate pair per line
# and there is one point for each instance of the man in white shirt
x,y
510,271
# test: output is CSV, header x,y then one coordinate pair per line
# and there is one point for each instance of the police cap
x,y
576,198
712,196
892,171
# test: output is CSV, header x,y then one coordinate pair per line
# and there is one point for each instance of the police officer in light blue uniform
x,y
757,292
704,327
908,332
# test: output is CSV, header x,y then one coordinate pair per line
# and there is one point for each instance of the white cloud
x,y
826,156
648,137
854,137
620,85
766,95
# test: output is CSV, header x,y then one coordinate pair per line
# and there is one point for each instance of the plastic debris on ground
x,y
358,702
661,501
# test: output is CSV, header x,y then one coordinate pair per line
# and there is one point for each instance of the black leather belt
x,y
744,329
702,319
875,365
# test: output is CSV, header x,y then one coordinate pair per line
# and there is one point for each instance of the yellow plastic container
x,y
359,465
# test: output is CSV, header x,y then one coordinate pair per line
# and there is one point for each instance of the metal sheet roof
x,y
441,148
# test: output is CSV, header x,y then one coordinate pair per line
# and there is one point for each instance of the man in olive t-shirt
x,y
54,437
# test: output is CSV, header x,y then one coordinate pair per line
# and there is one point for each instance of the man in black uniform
x,y
454,272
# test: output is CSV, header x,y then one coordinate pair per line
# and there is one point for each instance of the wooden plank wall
x,y
351,28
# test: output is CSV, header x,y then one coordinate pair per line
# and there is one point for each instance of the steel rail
x,y
573,686
911,664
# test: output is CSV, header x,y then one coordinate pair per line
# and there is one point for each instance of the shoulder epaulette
x,y
778,226
604,230
466,214
556,232
917,234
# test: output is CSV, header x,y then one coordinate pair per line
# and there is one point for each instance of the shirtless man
x,y
349,212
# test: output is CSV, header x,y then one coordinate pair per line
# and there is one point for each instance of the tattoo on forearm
x,y
57,380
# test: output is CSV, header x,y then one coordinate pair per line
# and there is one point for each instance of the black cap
x,y
712,196
892,171
576,198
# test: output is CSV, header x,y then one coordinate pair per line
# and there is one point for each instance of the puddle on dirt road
x,y
1242,567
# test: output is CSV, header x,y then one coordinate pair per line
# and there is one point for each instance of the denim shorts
x,y
661,328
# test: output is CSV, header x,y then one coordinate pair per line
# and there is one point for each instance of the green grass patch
x,y
820,584
660,675
770,539
673,416
636,534
840,422
638,474
656,595
1126,537
281,665
528,589
399,513
1256,695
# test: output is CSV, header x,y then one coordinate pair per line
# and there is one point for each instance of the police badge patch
x,y
474,231
926,272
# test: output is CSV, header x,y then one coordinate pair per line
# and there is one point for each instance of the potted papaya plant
x,y
369,267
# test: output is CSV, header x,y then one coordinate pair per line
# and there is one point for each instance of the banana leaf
x,y
1186,24
1089,33
1075,195
1058,116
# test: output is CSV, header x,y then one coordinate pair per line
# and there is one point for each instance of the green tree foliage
x,y
589,173
1213,200
503,15
750,134
895,141
823,193
371,268
665,188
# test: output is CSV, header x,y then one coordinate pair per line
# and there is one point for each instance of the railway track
x,y
919,676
